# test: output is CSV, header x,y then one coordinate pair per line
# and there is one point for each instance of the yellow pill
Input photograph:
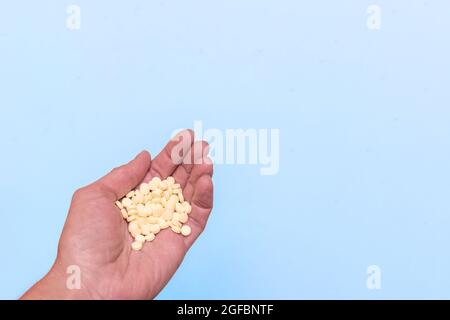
x,y
126,202
156,179
152,220
179,208
138,198
132,212
131,218
176,216
154,206
150,237
185,230
158,211
119,204
142,220
155,182
170,180
148,205
176,223
175,190
145,189
163,224
135,233
166,194
136,245
154,228
171,205
133,226
156,193
139,238
145,229
176,229
167,215
183,217
140,208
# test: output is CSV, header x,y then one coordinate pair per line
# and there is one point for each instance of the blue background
x,y
364,136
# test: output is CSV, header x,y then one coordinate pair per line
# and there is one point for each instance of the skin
x,y
95,236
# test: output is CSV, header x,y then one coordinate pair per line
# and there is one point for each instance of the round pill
x,y
152,220
163,185
139,238
153,206
163,224
136,245
133,225
126,202
167,215
119,204
155,228
145,229
145,189
135,233
176,223
131,218
183,217
170,181
132,212
179,208
175,229
185,230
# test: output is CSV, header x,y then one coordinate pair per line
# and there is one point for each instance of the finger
x,y
183,171
198,170
202,203
121,180
171,156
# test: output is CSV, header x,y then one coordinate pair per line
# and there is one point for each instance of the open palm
x,y
95,237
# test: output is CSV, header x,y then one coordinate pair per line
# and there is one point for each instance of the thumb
x,y
124,178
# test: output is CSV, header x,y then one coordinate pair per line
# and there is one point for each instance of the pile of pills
x,y
152,207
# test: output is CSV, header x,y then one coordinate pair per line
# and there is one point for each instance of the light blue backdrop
x,y
364,132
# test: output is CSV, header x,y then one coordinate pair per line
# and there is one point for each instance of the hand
x,y
95,237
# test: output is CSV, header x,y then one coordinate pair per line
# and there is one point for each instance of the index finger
x,y
171,156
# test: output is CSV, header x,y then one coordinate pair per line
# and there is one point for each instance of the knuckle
x,y
81,192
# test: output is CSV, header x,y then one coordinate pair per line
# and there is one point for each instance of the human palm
x,y
96,239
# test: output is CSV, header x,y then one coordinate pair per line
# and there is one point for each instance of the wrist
x,y
56,285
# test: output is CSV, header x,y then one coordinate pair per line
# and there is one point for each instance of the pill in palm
x,y
152,207
185,230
